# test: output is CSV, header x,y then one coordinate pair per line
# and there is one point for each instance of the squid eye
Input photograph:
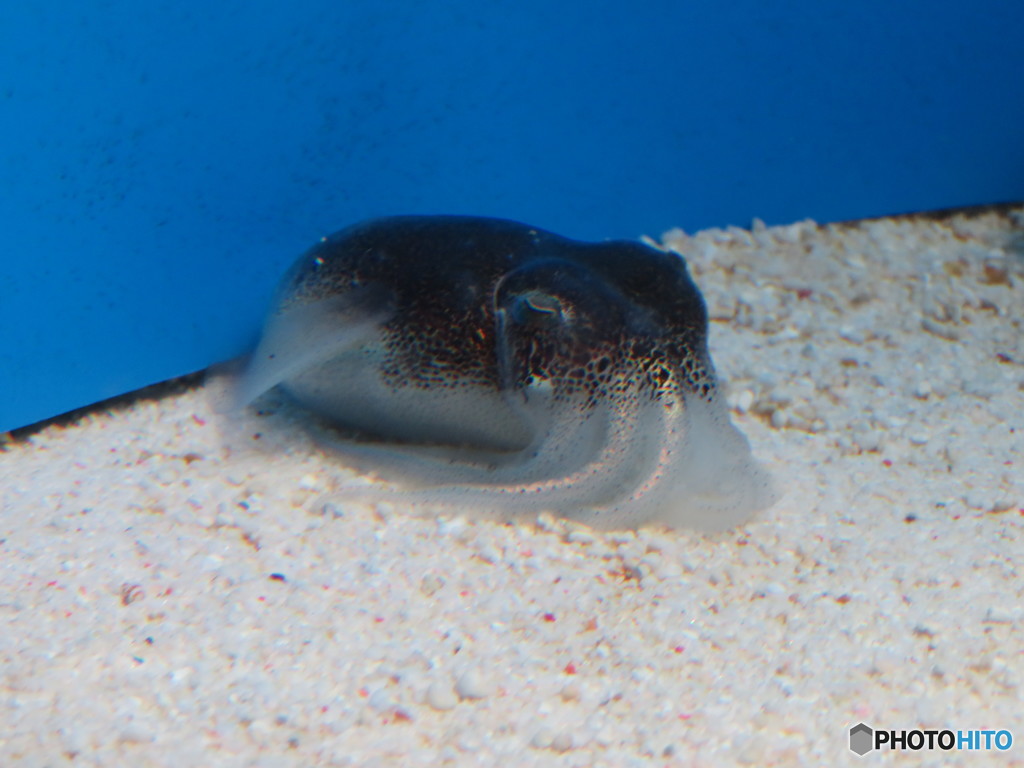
x,y
539,309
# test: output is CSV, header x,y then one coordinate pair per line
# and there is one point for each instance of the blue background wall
x,y
162,163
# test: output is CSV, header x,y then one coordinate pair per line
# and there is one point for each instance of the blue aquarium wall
x,y
162,163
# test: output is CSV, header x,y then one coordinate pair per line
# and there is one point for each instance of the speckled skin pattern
x,y
622,308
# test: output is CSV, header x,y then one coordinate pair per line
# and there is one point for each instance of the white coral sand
x,y
165,603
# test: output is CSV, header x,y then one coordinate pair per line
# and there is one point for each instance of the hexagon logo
x,y
861,739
